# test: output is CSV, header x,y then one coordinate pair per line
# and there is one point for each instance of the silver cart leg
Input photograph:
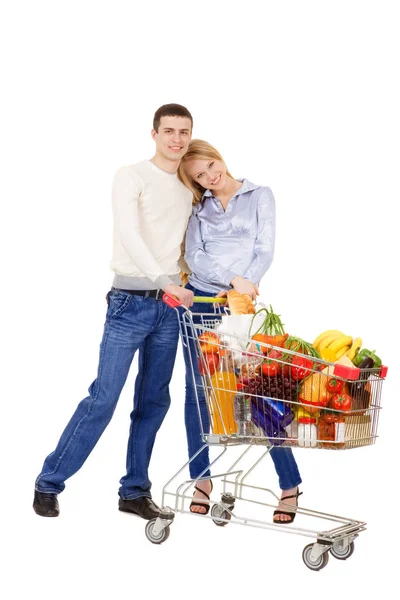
x,y
181,495
242,475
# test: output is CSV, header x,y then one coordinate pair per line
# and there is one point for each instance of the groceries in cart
x,y
275,388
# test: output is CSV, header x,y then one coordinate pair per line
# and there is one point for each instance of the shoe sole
x,y
46,513
131,512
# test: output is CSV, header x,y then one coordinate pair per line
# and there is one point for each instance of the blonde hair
x,y
197,150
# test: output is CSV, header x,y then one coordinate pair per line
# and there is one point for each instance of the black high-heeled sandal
x,y
203,504
291,513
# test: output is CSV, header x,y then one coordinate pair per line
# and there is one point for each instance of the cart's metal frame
x,y
337,541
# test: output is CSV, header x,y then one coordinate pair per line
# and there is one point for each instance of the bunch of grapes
x,y
279,386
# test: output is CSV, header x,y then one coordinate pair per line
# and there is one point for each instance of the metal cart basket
x,y
260,401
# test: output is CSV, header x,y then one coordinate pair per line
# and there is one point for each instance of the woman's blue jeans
x,y
284,461
132,323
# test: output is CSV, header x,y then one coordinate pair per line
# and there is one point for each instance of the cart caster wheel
x,y
228,499
314,565
340,552
218,513
156,539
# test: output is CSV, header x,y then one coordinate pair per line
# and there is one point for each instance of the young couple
x,y
229,244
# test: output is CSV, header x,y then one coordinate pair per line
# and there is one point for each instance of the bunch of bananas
x,y
333,344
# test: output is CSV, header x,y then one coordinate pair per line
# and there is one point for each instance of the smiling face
x,y
172,138
210,174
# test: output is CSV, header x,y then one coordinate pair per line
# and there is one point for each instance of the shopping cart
x,y
263,408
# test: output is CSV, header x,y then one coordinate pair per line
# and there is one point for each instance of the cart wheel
x,y
218,513
340,552
314,565
228,499
156,539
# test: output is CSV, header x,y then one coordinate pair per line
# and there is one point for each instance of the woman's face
x,y
210,174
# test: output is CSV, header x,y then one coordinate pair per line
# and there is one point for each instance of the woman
x,y
229,244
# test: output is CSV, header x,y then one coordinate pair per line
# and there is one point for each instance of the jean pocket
x,y
117,304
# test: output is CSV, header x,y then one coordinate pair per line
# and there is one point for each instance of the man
x,y
151,210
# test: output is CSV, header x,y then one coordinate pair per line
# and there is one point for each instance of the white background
x,y
300,96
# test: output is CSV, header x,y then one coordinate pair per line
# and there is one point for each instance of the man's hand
x,y
184,296
244,286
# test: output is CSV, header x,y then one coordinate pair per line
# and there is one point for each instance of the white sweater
x,y
151,211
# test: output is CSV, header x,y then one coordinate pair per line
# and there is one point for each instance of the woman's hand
x,y
222,294
244,286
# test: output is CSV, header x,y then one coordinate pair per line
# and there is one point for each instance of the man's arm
x,y
125,196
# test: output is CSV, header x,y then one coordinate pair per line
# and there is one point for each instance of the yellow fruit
x,y
329,339
355,347
328,355
342,351
338,343
318,339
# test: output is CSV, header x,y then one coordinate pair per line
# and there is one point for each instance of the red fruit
x,y
209,342
334,385
341,402
270,369
211,363
301,367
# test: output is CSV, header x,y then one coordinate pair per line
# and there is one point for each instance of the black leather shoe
x,y
143,507
46,505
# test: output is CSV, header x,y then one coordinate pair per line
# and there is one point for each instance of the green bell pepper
x,y
364,353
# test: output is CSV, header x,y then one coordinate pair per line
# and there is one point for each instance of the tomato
x,y
270,369
301,367
334,385
285,369
341,402
211,363
209,342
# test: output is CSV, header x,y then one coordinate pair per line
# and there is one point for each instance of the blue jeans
x,y
284,461
132,323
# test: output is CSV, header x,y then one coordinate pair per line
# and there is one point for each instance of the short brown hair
x,y
170,110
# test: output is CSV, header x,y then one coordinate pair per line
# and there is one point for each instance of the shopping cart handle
x,y
213,299
173,301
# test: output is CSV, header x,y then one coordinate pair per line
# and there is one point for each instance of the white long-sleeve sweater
x,y
151,211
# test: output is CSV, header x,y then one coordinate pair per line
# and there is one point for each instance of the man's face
x,y
173,137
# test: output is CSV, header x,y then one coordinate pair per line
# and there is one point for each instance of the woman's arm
x,y
265,241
